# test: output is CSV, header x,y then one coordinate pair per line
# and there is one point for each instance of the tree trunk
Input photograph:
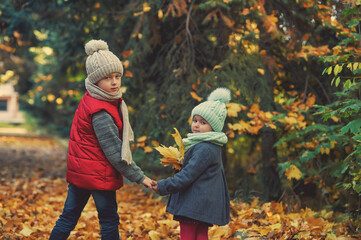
x,y
270,179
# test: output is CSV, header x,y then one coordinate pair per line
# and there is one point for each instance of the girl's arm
x,y
197,165
108,136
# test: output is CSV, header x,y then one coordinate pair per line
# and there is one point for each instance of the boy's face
x,y
200,125
111,83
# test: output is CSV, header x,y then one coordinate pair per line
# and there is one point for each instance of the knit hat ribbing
x,y
100,61
214,110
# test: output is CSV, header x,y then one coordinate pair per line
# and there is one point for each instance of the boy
x,y
99,151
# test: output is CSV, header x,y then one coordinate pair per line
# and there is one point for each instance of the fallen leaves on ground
x,y
31,203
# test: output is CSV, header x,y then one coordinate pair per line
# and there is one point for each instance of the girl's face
x,y
111,83
200,125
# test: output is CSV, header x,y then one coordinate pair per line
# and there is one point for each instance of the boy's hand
x,y
147,182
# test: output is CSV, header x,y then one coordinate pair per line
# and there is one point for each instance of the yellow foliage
x,y
311,100
154,235
233,109
51,97
293,172
254,108
146,7
160,14
195,96
142,139
325,150
178,140
171,154
155,143
128,74
260,71
59,101
216,67
148,149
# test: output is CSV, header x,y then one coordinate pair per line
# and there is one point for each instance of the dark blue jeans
x,y
106,204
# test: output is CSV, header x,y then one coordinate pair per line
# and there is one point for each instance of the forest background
x,y
293,68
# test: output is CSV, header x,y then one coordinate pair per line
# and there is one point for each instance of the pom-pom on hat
x,y
100,61
214,110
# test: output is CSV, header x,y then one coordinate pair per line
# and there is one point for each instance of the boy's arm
x,y
107,134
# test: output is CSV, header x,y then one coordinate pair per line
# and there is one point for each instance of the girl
x,y
198,193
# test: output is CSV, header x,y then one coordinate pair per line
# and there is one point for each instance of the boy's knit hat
x,y
100,61
214,110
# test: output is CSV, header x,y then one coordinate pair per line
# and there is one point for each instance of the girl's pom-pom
x,y
220,94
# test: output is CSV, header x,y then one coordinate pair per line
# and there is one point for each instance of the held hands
x,y
151,184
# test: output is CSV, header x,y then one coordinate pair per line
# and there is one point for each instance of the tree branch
x,y
189,35
322,88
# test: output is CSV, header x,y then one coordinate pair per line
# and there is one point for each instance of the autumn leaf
x,y
194,87
128,74
160,14
245,11
178,140
154,235
127,53
254,108
325,150
7,48
233,109
146,7
171,154
217,67
142,139
27,231
260,71
293,172
269,22
311,100
125,64
195,96
148,149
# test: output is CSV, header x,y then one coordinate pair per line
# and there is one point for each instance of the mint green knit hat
x,y
214,110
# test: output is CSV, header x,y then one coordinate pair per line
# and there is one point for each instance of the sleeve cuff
x,y
161,187
141,180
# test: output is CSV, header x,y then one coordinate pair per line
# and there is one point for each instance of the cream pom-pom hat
x,y
100,61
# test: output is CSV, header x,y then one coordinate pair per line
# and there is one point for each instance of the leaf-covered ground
x,y
33,190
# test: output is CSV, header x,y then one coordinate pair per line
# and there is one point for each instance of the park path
x,y
26,155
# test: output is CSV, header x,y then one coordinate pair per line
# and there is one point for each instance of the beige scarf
x,y
128,135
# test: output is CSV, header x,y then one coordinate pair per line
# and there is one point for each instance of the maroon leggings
x,y
193,231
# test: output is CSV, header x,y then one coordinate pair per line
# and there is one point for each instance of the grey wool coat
x,y
199,191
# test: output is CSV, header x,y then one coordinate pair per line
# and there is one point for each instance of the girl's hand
x,y
155,188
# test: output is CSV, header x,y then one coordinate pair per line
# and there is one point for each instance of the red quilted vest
x,y
87,165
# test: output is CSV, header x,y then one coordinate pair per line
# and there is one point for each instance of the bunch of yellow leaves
x,y
173,155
